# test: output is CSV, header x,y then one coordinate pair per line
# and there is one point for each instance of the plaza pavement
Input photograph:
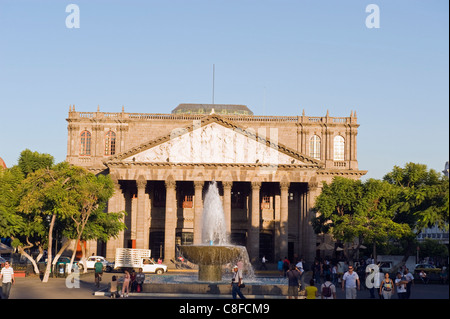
x,y
32,288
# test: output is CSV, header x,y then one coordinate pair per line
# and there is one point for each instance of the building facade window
x,y
339,148
85,145
314,147
110,143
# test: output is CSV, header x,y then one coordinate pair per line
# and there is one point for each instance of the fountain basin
x,y
210,259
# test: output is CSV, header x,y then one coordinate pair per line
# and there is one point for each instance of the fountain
x,y
215,249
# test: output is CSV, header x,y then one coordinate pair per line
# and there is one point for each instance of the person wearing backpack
x,y
328,289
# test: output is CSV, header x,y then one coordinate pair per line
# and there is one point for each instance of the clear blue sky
x,y
152,55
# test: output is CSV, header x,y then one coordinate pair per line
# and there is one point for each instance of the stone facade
x,y
269,170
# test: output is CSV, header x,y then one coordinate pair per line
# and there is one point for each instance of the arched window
x,y
85,145
339,148
110,143
314,147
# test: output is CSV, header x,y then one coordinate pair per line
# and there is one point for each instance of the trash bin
x,y
61,270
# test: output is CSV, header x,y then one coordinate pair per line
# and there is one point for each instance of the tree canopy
x,y
399,207
37,197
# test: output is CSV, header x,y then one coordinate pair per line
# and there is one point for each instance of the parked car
x,y
428,268
386,266
90,262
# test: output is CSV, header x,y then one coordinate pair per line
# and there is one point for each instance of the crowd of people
x,y
326,276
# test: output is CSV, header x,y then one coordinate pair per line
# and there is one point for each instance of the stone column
x,y
115,204
253,234
134,212
198,211
284,193
227,204
310,243
277,214
142,235
170,221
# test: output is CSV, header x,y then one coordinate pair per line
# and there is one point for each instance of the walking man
x,y
7,277
98,266
410,278
236,283
263,263
350,281
293,275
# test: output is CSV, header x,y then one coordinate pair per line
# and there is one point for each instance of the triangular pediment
x,y
214,140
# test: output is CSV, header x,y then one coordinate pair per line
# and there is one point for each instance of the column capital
x,y
227,184
256,184
313,186
284,185
170,183
198,184
141,182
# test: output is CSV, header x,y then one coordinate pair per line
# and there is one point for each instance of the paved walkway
x,y
32,288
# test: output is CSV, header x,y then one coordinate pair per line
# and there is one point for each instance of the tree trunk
x,y
33,262
61,250
83,258
49,250
374,252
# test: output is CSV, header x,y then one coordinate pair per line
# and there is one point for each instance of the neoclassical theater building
x,y
269,170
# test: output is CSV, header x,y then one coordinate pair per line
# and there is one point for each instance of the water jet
x,y
215,251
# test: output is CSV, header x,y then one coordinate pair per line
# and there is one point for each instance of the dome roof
x,y
186,108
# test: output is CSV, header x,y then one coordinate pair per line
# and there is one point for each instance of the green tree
x,y
44,198
36,199
350,209
24,231
422,200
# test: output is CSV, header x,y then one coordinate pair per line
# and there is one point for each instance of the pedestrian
x,y
300,266
126,284
113,287
236,283
311,290
328,289
286,264
387,287
140,278
350,282
317,269
410,278
280,266
263,263
293,275
98,268
400,283
133,283
423,277
7,277
373,280
334,274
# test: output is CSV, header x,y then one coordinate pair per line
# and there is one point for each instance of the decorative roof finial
x,y
328,113
303,113
98,108
123,109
